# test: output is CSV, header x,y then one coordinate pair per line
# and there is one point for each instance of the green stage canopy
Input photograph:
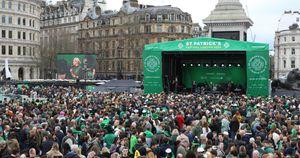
x,y
257,61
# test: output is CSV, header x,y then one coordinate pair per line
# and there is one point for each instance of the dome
x,y
288,19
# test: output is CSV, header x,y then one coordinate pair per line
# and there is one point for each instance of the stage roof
x,y
205,44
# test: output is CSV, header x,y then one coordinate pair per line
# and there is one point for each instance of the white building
x,y
228,20
20,37
287,44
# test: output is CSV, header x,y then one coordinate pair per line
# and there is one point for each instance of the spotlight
x,y
206,65
192,65
238,65
215,65
222,65
199,64
229,65
183,65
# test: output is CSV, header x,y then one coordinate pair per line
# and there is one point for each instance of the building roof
x,y
287,19
228,11
160,9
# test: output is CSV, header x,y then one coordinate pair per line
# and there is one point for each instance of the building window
x,y
293,38
171,29
19,35
19,50
29,22
159,18
3,50
293,51
24,7
3,33
19,21
9,5
146,41
19,6
284,63
158,39
159,28
24,50
30,35
10,20
32,23
182,29
284,51
3,3
24,35
24,21
172,17
147,17
293,65
147,29
284,39
10,34
3,19
10,50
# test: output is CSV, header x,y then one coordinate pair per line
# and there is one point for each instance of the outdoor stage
x,y
209,63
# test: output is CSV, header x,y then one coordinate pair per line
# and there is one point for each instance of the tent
x,y
203,59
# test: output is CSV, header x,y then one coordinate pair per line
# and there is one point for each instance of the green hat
x,y
104,123
154,116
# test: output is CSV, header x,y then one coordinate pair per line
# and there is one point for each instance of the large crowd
x,y
68,122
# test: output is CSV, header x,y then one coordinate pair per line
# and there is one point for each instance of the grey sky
x,y
264,13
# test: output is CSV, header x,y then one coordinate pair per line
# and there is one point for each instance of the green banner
x,y
153,79
257,74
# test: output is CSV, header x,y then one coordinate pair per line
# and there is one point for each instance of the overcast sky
x,y
264,13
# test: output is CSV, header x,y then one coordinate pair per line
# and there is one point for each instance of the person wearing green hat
x,y
109,137
149,136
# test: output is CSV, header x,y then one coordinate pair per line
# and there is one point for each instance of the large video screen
x,y
76,66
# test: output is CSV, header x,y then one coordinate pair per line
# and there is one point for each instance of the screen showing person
x,y
90,64
63,69
76,69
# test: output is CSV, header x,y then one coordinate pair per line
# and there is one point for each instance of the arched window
x,y
31,73
21,73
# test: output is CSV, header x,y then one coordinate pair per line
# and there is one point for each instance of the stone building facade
x,y
287,44
118,37
20,37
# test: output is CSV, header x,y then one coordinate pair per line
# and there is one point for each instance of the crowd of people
x,y
69,122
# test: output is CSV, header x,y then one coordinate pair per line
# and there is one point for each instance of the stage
x,y
207,64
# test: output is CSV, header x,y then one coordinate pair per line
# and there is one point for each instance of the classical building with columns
x,y
228,20
287,44
20,38
118,37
